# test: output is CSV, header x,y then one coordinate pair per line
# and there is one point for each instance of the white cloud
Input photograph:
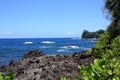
x,y
5,33
8,32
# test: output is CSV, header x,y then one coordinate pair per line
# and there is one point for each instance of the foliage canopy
x,y
106,66
87,34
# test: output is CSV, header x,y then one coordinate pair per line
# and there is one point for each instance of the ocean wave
x,y
29,42
47,42
45,47
62,50
70,47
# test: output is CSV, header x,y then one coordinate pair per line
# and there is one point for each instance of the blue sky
x,y
50,18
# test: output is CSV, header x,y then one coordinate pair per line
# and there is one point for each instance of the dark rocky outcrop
x,y
37,66
32,54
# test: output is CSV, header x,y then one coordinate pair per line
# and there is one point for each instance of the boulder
x,y
32,54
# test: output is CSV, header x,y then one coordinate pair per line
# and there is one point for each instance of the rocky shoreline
x,y
36,66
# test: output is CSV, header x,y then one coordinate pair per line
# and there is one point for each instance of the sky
x,y
50,18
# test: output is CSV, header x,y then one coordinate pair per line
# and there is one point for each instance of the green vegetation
x,y
9,76
87,34
102,44
62,78
106,66
113,8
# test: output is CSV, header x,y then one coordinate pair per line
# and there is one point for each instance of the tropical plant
x,y
102,44
9,76
107,67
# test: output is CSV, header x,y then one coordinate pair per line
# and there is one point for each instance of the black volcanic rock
x,y
35,66
32,54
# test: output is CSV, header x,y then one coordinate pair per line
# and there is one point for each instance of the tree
x,y
87,34
100,31
113,8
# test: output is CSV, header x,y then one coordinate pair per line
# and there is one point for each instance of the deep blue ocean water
x,y
14,49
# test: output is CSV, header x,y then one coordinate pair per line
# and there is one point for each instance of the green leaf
x,y
109,72
1,78
9,76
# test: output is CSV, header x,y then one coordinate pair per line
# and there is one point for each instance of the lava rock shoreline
x,y
36,66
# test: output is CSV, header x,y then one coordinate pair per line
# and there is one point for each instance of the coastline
x,y
35,65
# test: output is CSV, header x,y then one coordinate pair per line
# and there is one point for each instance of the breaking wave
x,y
29,42
70,47
47,42
45,47
62,50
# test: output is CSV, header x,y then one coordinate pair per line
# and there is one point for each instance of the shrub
x,y
102,44
9,76
107,67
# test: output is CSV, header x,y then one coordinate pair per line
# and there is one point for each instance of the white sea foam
x,y
47,42
29,42
62,50
46,47
70,47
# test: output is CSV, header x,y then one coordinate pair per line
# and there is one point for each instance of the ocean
x,y
14,49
